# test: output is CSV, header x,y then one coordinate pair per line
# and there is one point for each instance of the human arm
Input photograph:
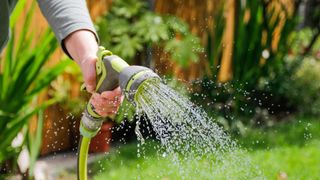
x,y
72,25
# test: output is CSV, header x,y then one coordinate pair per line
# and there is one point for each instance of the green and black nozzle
x,y
112,71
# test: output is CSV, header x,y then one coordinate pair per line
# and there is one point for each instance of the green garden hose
x,y
83,157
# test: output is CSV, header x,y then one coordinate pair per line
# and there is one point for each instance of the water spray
x,y
112,71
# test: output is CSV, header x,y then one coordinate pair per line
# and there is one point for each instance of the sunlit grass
x,y
289,149
292,161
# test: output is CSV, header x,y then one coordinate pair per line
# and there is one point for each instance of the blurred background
x,y
253,66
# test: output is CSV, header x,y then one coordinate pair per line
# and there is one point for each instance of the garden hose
x,y
83,150
112,71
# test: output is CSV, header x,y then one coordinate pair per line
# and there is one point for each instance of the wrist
x,y
86,56
82,46
85,60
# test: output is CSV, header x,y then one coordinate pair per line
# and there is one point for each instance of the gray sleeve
x,y
66,16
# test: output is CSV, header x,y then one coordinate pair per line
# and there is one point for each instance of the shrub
x,y
130,29
303,88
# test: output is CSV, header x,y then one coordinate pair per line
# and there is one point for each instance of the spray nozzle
x,y
131,79
113,71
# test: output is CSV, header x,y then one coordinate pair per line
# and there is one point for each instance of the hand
x,y
107,103
83,47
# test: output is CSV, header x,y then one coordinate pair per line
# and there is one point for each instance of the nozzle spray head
x,y
132,77
113,71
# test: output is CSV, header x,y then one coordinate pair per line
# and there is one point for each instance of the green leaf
x,y
7,73
185,50
151,28
126,47
17,12
129,27
23,40
23,77
35,143
46,77
15,125
127,8
176,25
119,26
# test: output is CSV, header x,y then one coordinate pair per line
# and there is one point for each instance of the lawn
x,y
289,149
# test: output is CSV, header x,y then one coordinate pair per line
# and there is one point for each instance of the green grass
x,y
296,162
295,132
290,148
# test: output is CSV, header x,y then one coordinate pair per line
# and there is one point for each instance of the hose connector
x,y
90,123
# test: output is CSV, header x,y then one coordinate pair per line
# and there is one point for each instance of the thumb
x,y
88,68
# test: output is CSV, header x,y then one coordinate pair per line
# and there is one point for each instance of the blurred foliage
x,y
22,77
265,35
183,50
34,141
257,50
301,40
63,87
305,87
129,28
299,84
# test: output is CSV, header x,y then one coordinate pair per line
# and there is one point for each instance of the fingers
x,y
107,103
89,73
104,107
103,102
112,95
